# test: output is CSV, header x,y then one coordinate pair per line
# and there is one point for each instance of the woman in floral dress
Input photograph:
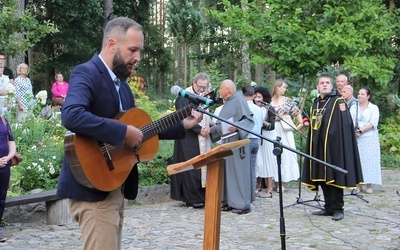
x,y
284,106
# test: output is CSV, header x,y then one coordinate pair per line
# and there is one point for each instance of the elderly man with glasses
x,y
189,186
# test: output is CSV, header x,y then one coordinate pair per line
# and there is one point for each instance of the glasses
x,y
2,58
201,87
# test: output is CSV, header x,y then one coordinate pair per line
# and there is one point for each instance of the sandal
x,y
266,195
226,208
258,190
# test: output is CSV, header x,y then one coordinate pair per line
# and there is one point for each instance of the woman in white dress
x,y
366,117
285,107
266,166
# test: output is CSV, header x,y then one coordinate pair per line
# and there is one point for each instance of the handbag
x,y
16,158
287,123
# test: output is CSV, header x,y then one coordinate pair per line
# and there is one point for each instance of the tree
x,y
80,28
185,24
303,36
20,30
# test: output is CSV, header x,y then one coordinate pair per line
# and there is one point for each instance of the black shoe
x,y
322,213
338,215
241,211
226,208
195,205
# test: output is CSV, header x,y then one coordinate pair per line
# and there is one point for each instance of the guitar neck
x,y
165,122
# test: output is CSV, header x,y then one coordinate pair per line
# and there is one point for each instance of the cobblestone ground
x,y
170,225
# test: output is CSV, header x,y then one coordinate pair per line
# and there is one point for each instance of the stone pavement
x,y
152,224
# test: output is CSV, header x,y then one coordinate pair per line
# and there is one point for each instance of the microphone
x,y
263,103
197,99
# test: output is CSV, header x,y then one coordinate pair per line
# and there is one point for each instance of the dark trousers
x,y
4,180
333,197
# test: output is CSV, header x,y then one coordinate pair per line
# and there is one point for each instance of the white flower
x,y
33,147
34,164
52,170
303,90
314,93
28,167
42,96
41,160
10,89
40,168
54,157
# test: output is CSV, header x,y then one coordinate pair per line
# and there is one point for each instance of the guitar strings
x,y
153,128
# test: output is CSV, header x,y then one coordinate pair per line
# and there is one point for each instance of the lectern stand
x,y
214,160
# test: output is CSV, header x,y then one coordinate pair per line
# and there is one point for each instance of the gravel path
x,y
156,222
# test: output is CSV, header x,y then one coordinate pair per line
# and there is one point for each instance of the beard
x,y
119,67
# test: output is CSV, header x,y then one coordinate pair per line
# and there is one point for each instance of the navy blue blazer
x,y
91,98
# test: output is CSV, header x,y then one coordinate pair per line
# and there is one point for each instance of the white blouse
x,y
370,115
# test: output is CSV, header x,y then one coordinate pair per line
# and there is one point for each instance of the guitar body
x,y
105,167
90,166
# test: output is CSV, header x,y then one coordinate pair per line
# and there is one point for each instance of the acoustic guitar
x,y
105,167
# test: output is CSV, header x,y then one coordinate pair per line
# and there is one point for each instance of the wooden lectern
x,y
214,160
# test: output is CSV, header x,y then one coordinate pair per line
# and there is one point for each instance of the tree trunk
x,y
108,10
20,58
259,74
246,73
184,54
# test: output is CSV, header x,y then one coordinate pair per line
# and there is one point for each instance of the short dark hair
x,y
368,92
248,91
325,76
120,24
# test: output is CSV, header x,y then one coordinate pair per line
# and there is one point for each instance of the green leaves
x,y
301,37
185,21
20,32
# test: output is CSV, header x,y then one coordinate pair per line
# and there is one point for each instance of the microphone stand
x,y
354,191
299,200
278,148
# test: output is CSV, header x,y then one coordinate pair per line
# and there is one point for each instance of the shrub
x,y
390,141
40,143
155,171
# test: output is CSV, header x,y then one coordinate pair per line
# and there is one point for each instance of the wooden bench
x,y
57,212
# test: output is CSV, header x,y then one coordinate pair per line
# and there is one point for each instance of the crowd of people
x,y
254,166
342,132
24,97
24,104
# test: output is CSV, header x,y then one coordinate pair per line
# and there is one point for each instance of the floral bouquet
x,y
10,89
42,97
